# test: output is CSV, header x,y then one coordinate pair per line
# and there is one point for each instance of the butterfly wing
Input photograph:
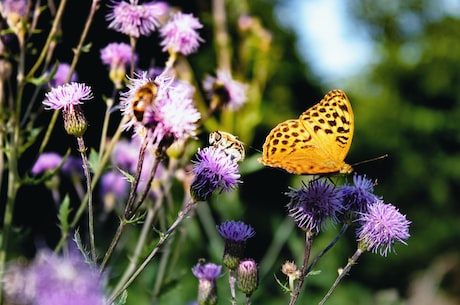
x,y
317,142
331,123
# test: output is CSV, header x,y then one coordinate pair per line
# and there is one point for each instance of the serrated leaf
x,y
128,176
284,287
81,247
63,215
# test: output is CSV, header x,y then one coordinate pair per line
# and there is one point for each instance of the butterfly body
x,y
315,143
229,143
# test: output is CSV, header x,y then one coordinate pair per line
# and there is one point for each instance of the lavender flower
x,y
69,97
168,113
357,197
14,11
53,280
380,227
73,167
118,57
213,171
135,19
179,34
60,77
113,190
235,234
247,276
224,91
313,204
116,54
235,231
207,273
48,161
16,7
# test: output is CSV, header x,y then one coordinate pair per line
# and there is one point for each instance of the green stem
x,y
89,191
308,242
352,261
159,245
97,174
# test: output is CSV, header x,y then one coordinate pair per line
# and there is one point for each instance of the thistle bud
x,y
75,123
247,276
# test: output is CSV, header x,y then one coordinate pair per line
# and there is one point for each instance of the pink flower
x,y
135,19
67,96
179,34
229,92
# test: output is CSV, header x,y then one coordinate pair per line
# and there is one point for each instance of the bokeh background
x,y
404,85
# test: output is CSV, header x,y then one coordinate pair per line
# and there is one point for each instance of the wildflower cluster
x,y
155,160
379,225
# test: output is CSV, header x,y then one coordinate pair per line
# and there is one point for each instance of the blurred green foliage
x,y
406,105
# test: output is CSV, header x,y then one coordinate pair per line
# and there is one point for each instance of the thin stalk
x,y
97,174
139,246
163,238
82,150
351,262
308,242
231,282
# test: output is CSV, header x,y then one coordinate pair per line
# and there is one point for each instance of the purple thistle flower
x,y
174,114
115,184
169,114
225,91
207,273
213,171
73,167
13,9
118,57
116,54
46,162
380,227
135,19
179,34
53,280
357,197
235,230
67,96
235,234
60,77
313,204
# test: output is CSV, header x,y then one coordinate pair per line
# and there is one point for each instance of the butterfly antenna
x,y
371,160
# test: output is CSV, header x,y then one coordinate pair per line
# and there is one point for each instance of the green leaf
x,y
121,299
63,215
127,175
93,159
